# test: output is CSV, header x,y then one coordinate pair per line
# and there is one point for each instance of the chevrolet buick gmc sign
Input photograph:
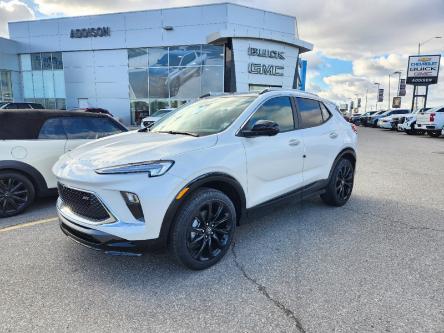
x,y
91,32
423,69
262,69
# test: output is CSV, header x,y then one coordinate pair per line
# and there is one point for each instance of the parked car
x,y
375,118
149,121
189,180
31,141
364,118
407,122
431,121
355,118
390,121
20,105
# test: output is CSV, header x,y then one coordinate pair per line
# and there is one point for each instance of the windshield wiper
x,y
178,132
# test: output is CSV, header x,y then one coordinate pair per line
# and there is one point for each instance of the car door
x,y
274,163
322,140
46,150
81,130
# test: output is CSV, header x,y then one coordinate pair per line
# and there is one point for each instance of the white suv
x,y
189,180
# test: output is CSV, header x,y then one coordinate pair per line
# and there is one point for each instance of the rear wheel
x,y
203,229
16,193
340,185
434,134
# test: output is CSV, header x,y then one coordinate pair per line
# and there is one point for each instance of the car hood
x,y
134,147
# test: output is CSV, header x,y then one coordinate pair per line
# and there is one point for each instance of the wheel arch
x,y
219,181
29,171
347,153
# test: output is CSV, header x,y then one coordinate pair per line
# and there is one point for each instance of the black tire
x,y
340,185
410,132
16,193
203,229
434,134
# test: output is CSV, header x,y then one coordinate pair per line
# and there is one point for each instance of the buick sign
x,y
91,32
423,69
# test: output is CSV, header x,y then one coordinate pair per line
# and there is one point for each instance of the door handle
x,y
333,135
294,142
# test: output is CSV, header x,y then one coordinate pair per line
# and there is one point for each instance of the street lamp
x,y
426,41
377,94
396,72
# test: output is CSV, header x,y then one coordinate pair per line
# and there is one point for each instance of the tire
x,y
340,185
16,193
410,132
203,229
434,134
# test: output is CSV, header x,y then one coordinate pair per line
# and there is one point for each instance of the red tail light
x,y
432,117
354,128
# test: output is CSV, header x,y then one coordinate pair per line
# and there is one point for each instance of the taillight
x,y
432,117
354,128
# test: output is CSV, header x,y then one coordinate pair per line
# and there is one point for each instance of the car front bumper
x,y
387,125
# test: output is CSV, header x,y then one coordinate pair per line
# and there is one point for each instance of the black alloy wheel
x,y
203,229
16,193
340,186
209,233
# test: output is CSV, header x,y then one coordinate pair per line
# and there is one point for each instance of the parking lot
x,y
374,265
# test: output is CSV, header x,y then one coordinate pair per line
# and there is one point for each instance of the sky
x,y
356,42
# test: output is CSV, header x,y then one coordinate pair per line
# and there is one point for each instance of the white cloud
x,y
13,10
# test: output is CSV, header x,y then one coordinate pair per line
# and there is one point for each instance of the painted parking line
x,y
29,224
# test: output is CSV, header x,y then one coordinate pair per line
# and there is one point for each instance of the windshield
x,y
437,109
204,117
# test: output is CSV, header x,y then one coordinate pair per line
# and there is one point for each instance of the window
x,y
89,127
52,129
188,59
277,109
310,112
325,113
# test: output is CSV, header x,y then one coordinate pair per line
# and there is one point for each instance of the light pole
x,y
399,73
426,41
366,92
377,94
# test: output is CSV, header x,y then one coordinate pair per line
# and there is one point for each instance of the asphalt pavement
x,y
374,265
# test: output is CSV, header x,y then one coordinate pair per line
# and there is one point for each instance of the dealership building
x,y
135,63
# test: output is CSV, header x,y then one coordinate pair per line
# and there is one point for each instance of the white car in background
x,y
408,125
387,121
31,141
188,181
431,121
149,121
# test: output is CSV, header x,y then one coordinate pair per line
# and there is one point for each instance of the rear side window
x,y
277,109
310,112
89,127
52,129
325,113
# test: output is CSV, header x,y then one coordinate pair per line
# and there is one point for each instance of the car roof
x,y
25,124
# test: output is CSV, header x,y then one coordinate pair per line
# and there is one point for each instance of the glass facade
x,y
5,86
167,77
43,79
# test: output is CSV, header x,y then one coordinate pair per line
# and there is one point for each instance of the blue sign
x,y
302,74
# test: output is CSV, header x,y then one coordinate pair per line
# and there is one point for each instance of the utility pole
x,y
396,72
366,92
377,95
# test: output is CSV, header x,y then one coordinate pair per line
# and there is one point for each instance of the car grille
x,y
84,204
401,120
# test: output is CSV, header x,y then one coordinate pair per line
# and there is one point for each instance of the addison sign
x,y
91,32
262,69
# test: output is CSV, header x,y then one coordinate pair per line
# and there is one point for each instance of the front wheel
x,y
203,229
340,185
16,193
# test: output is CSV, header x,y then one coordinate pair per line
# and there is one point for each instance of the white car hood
x,y
134,147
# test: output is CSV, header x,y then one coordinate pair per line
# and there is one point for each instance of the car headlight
x,y
152,168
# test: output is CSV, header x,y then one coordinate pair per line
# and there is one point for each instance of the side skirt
x,y
300,194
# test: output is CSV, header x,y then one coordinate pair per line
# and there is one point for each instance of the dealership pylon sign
x,y
422,70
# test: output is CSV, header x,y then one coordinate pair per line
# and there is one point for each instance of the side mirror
x,y
262,128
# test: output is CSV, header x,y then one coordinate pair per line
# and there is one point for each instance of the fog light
x,y
133,203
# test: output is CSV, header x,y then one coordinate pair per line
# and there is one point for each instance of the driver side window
x,y
277,109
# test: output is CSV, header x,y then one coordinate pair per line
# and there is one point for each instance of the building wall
x,y
101,77
9,61
242,61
